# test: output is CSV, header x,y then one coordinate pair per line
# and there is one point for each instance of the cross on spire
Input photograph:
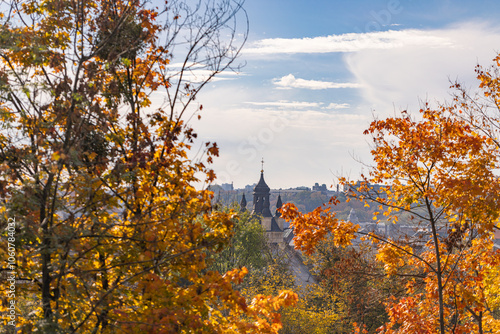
x,y
262,170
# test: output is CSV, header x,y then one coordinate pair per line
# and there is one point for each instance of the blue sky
x,y
317,72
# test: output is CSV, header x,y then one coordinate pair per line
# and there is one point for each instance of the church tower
x,y
261,195
273,226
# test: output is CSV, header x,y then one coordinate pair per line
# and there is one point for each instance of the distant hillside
x,y
305,200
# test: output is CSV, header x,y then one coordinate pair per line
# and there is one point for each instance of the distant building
x,y
227,186
318,187
249,187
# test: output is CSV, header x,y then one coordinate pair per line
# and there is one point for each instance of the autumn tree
x,y
441,172
247,248
350,289
357,282
269,272
111,235
438,168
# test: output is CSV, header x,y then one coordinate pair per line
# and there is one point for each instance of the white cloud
x,y
287,137
286,104
350,42
310,106
397,79
199,77
289,81
337,106
182,65
197,73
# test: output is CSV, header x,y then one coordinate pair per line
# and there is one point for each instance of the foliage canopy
x,y
110,232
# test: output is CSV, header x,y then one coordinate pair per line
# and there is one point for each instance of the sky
x,y
318,72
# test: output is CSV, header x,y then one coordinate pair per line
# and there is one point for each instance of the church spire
x,y
279,204
243,204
